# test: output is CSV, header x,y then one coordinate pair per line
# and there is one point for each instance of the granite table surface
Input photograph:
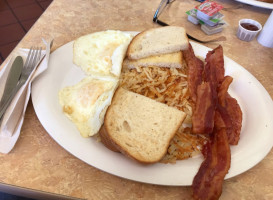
x,y
37,162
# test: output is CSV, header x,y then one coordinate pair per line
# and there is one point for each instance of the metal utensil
x,y
12,79
33,58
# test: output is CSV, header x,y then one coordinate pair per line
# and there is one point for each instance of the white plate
x,y
256,137
257,3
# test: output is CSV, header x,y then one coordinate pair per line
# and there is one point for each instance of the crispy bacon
x,y
206,95
223,90
195,71
230,111
236,116
203,115
218,114
214,71
207,183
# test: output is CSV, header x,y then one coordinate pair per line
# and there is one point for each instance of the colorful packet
x,y
208,9
193,17
209,30
214,20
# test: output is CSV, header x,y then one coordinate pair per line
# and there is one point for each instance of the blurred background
x,y
16,18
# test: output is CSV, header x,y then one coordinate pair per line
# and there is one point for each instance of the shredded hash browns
x,y
169,86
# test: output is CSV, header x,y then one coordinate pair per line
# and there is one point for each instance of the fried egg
x,y
101,53
86,102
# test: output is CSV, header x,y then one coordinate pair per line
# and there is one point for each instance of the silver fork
x,y
33,58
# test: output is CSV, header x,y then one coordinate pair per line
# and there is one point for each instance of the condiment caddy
x,y
207,14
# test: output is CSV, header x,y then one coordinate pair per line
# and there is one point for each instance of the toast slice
x,y
165,60
140,127
157,41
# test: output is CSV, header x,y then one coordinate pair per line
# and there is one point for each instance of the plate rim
x,y
35,105
257,3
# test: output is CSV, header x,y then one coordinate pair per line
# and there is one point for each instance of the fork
x,y
33,58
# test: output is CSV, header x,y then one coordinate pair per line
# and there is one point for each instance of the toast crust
x,y
105,139
146,43
113,143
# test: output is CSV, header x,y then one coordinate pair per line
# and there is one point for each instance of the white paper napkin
x,y
13,119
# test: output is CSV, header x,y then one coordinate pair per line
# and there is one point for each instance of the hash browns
x,y
169,86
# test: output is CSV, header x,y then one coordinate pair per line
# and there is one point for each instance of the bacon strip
x,y
223,90
206,93
203,115
214,71
195,71
236,117
218,114
207,183
230,111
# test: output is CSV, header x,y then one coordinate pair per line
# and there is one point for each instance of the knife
x,y
12,80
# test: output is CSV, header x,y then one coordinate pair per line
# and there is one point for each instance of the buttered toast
x,y
158,41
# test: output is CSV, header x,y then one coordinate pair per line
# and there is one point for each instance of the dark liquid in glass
x,y
249,26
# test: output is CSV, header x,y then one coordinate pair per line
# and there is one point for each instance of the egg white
x,y
86,102
100,56
94,53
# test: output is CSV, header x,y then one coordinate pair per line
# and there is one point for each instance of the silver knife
x,y
12,80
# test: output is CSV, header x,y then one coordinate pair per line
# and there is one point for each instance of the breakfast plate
x,y
257,3
256,137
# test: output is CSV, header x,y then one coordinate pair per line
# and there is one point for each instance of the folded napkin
x,y
12,121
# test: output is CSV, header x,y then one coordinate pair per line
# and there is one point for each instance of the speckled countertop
x,y
38,162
